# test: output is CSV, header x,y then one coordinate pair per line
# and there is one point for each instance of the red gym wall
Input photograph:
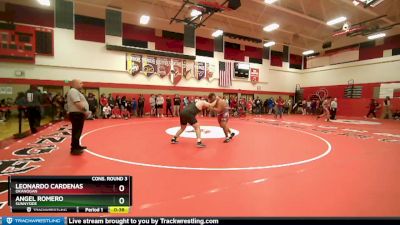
x,y
352,107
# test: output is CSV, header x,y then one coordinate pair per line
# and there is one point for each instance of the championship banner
x,y
188,69
176,72
201,70
149,65
254,75
134,64
210,71
164,66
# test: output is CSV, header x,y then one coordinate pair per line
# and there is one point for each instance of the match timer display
x,y
86,194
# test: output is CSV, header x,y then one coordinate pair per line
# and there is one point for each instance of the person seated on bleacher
x,y
396,115
116,113
3,110
107,111
125,113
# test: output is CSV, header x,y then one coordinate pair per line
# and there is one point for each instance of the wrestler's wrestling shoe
x,y
174,140
200,145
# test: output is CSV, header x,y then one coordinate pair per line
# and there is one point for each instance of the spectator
x,y
93,105
204,111
308,106
279,107
289,104
111,100
177,105
249,106
373,107
140,105
3,110
318,107
387,111
169,106
33,100
297,106
159,105
334,106
258,104
58,106
118,101
396,115
271,105
129,106
103,103
20,102
107,111
125,113
185,101
313,107
66,104
304,107
152,101
226,100
46,105
124,102
234,105
116,113
134,106
243,105
265,106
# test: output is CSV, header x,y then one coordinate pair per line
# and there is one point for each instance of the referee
x,y
33,100
78,109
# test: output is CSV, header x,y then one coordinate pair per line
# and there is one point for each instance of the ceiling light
x,y
144,19
336,21
376,36
309,52
269,44
270,1
271,27
217,33
195,13
44,2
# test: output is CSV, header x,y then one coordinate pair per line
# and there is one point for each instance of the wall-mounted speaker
x,y
234,4
327,45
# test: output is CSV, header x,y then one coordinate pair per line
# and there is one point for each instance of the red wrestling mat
x,y
298,166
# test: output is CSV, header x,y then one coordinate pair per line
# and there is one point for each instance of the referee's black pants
x,y
77,119
34,118
333,114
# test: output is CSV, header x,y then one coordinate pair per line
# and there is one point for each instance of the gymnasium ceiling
x,y
302,22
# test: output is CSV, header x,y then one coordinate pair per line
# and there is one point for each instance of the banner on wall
x,y
210,71
174,69
164,66
201,70
134,64
254,75
188,69
176,72
149,65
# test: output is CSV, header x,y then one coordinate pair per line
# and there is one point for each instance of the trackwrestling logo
x,y
207,132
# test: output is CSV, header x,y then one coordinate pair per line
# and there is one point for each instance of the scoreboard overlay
x,y
88,194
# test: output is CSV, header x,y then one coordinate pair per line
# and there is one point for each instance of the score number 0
x,y
121,200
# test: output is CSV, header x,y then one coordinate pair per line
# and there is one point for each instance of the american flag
x,y
226,71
